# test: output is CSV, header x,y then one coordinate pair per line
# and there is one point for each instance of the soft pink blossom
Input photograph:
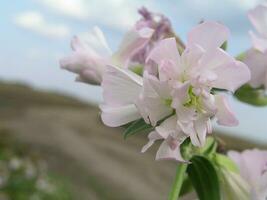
x,y
187,80
257,63
121,89
180,95
253,168
258,18
91,53
256,57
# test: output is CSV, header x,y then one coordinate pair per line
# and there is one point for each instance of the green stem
x,y
178,182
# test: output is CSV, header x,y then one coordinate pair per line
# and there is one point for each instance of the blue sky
x,y
36,33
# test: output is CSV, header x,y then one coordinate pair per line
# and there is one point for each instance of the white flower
x,y
253,168
121,89
180,94
91,53
258,18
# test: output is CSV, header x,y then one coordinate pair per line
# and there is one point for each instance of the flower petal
x,y
153,136
165,152
224,115
118,116
257,63
231,76
259,43
199,137
252,164
208,35
120,86
167,127
132,42
89,76
91,54
168,70
151,102
258,17
93,40
80,61
166,49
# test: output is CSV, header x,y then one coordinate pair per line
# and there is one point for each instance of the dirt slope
x,y
96,159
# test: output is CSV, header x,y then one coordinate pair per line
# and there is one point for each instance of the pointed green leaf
x,y
204,178
135,127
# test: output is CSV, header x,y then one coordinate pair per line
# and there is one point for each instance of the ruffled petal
x,y
167,127
120,115
168,71
199,137
121,86
152,101
90,56
213,59
89,76
153,136
252,165
208,35
259,43
231,76
165,152
258,17
225,116
257,63
166,49
93,40
132,42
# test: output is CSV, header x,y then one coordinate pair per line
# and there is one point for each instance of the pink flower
x,y
173,137
121,89
258,18
157,22
253,168
180,94
257,63
91,53
191,76
256,57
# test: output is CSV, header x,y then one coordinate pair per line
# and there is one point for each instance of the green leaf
x,y
135,127
253,96
226,162
204,178
186,187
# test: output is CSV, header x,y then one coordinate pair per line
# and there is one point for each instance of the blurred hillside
x,y
97,161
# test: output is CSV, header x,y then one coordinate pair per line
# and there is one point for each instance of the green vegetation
x,y
24,175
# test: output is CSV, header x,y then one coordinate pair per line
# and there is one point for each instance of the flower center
x,y
193,100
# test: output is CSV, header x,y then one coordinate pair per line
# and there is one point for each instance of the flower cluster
x,y
154,80
179,95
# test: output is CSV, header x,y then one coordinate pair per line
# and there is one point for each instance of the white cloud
x,y
207,5
119,14
73,8
246,4
35,22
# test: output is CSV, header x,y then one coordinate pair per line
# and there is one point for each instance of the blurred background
x,y
53,145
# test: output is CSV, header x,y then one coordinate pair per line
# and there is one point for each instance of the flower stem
x,y
178,182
